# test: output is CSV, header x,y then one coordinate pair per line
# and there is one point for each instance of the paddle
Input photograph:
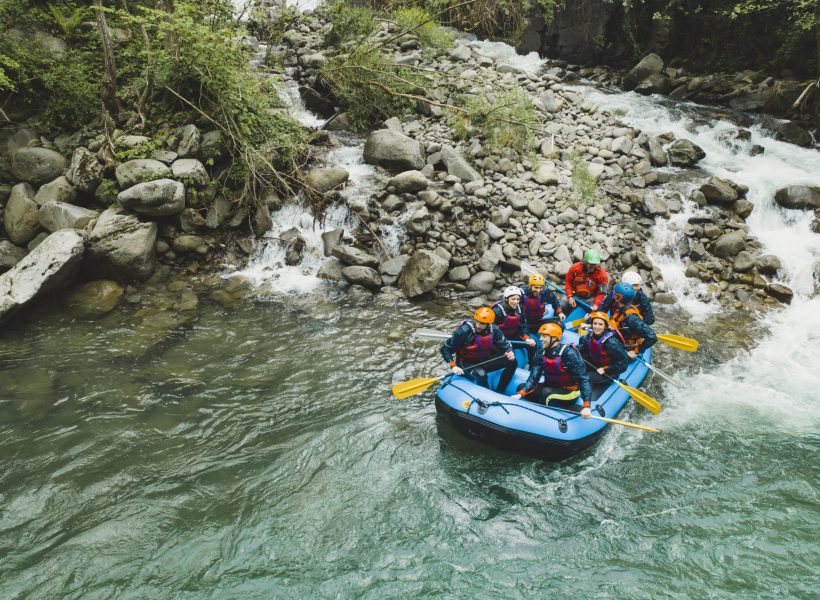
x,y
645,400
659,372
433,334
405,389
678,341
613,421
530,270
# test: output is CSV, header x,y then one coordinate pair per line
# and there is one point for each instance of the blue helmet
x,y
626,291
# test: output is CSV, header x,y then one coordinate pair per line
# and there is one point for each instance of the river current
x,y
258,453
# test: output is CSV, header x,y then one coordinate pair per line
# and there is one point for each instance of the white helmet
x,y
512,291
632,278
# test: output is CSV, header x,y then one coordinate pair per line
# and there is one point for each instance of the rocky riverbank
x,y
76,217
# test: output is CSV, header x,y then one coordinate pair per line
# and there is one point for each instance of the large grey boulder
x,y
331,239
60,215
651,64
422,273
190,171
141,170
394,151
84,172
546,174
482,281
10,255
798,197
408,182
366,276
37,165
20,214
655,206
457,165
719,191
158,198
121,247
51,265
324,179
59,190
729,244
189,139
683,153
392,268
352,256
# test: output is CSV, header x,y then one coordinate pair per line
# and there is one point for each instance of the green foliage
x,y
348,24
583,183
68,17
506,120
418,21
370,87
7,64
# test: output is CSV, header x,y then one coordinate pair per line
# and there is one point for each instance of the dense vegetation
x,y
154,65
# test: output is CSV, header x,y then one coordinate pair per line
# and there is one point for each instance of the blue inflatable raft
x,y
529,428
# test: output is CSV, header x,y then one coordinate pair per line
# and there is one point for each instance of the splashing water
x,y
296,107
504,53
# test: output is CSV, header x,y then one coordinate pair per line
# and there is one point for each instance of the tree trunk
x,y
109,85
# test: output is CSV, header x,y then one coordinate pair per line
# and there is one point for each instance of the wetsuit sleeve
x,y
583,346
641,329
568,281
524,325
576,367
536,371
500,342
603,287
606,303
645,306
499,315
549,297
617,353
451,346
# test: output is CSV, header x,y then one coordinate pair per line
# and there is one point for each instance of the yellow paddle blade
x,y
627,424
678,341
648,402
575,323
405,389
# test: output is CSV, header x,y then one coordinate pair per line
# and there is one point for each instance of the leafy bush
x,y
348,23
506,120
583,183
369,87
419,22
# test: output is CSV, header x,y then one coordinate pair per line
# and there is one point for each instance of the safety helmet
x,y
632,278
552,330
484,314
626,291
592,257
536,279
511,291
599,315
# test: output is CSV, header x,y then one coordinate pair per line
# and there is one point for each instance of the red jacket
x,y
586,286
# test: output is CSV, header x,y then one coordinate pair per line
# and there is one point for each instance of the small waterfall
x,y
504,53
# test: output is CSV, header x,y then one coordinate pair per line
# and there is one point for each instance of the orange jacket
x,y
586,286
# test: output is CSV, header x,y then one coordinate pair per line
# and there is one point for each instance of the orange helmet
x,y
484,314
599,315
552,330
536,279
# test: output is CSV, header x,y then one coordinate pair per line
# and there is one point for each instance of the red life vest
x,y
598,355
481,348
583,285
511,325
533,308
555,375
630,340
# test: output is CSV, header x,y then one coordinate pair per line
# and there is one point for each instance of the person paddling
x,y
641,301
626,318
512,320
562,368
536,297
603,350
587,280
476,341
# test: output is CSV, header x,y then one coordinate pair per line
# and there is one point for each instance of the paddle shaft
x,y
608,420
659,372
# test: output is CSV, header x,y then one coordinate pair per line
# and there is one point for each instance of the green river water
x,y
258,453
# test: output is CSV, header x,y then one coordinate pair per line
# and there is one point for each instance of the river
x,y
257,452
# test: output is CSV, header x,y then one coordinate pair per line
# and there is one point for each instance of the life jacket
x,y
555,375
481,348
598,355
584,285
631,340
511,325
533,307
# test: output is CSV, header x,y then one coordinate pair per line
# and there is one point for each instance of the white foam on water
x,y
530,63
304,5
267,265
